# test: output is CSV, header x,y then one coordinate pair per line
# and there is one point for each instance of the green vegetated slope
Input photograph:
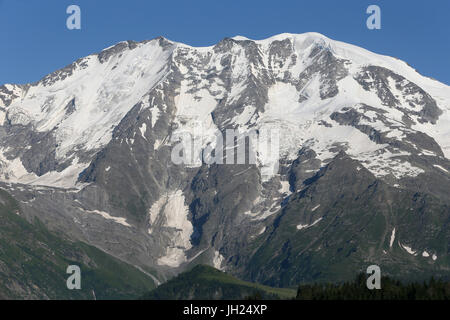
x,y
204,282
33,263
345,220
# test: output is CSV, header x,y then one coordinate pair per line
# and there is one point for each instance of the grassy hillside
x,y
204,283
33,263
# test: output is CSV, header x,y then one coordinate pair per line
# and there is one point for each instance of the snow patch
x,y
143,129
218,260
106,215
14,171
408,249
171,212
305,226
285,188
263,229
155,115
392,238
440,167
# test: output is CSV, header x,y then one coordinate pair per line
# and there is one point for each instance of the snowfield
x,y
83,108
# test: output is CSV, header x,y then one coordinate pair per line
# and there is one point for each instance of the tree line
x,y
434,289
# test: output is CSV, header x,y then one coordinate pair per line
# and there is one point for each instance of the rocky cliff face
x,y
360,176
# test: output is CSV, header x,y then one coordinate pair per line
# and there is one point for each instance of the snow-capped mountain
x,y
362,175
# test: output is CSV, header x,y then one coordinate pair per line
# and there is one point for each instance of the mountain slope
x,y
89,150
206,283
345,220
33,263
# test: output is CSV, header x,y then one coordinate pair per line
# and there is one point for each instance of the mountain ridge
x,y
89,150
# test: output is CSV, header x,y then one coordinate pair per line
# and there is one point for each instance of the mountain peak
x,y
102,136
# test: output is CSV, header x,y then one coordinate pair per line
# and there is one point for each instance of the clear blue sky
x,y
35,40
